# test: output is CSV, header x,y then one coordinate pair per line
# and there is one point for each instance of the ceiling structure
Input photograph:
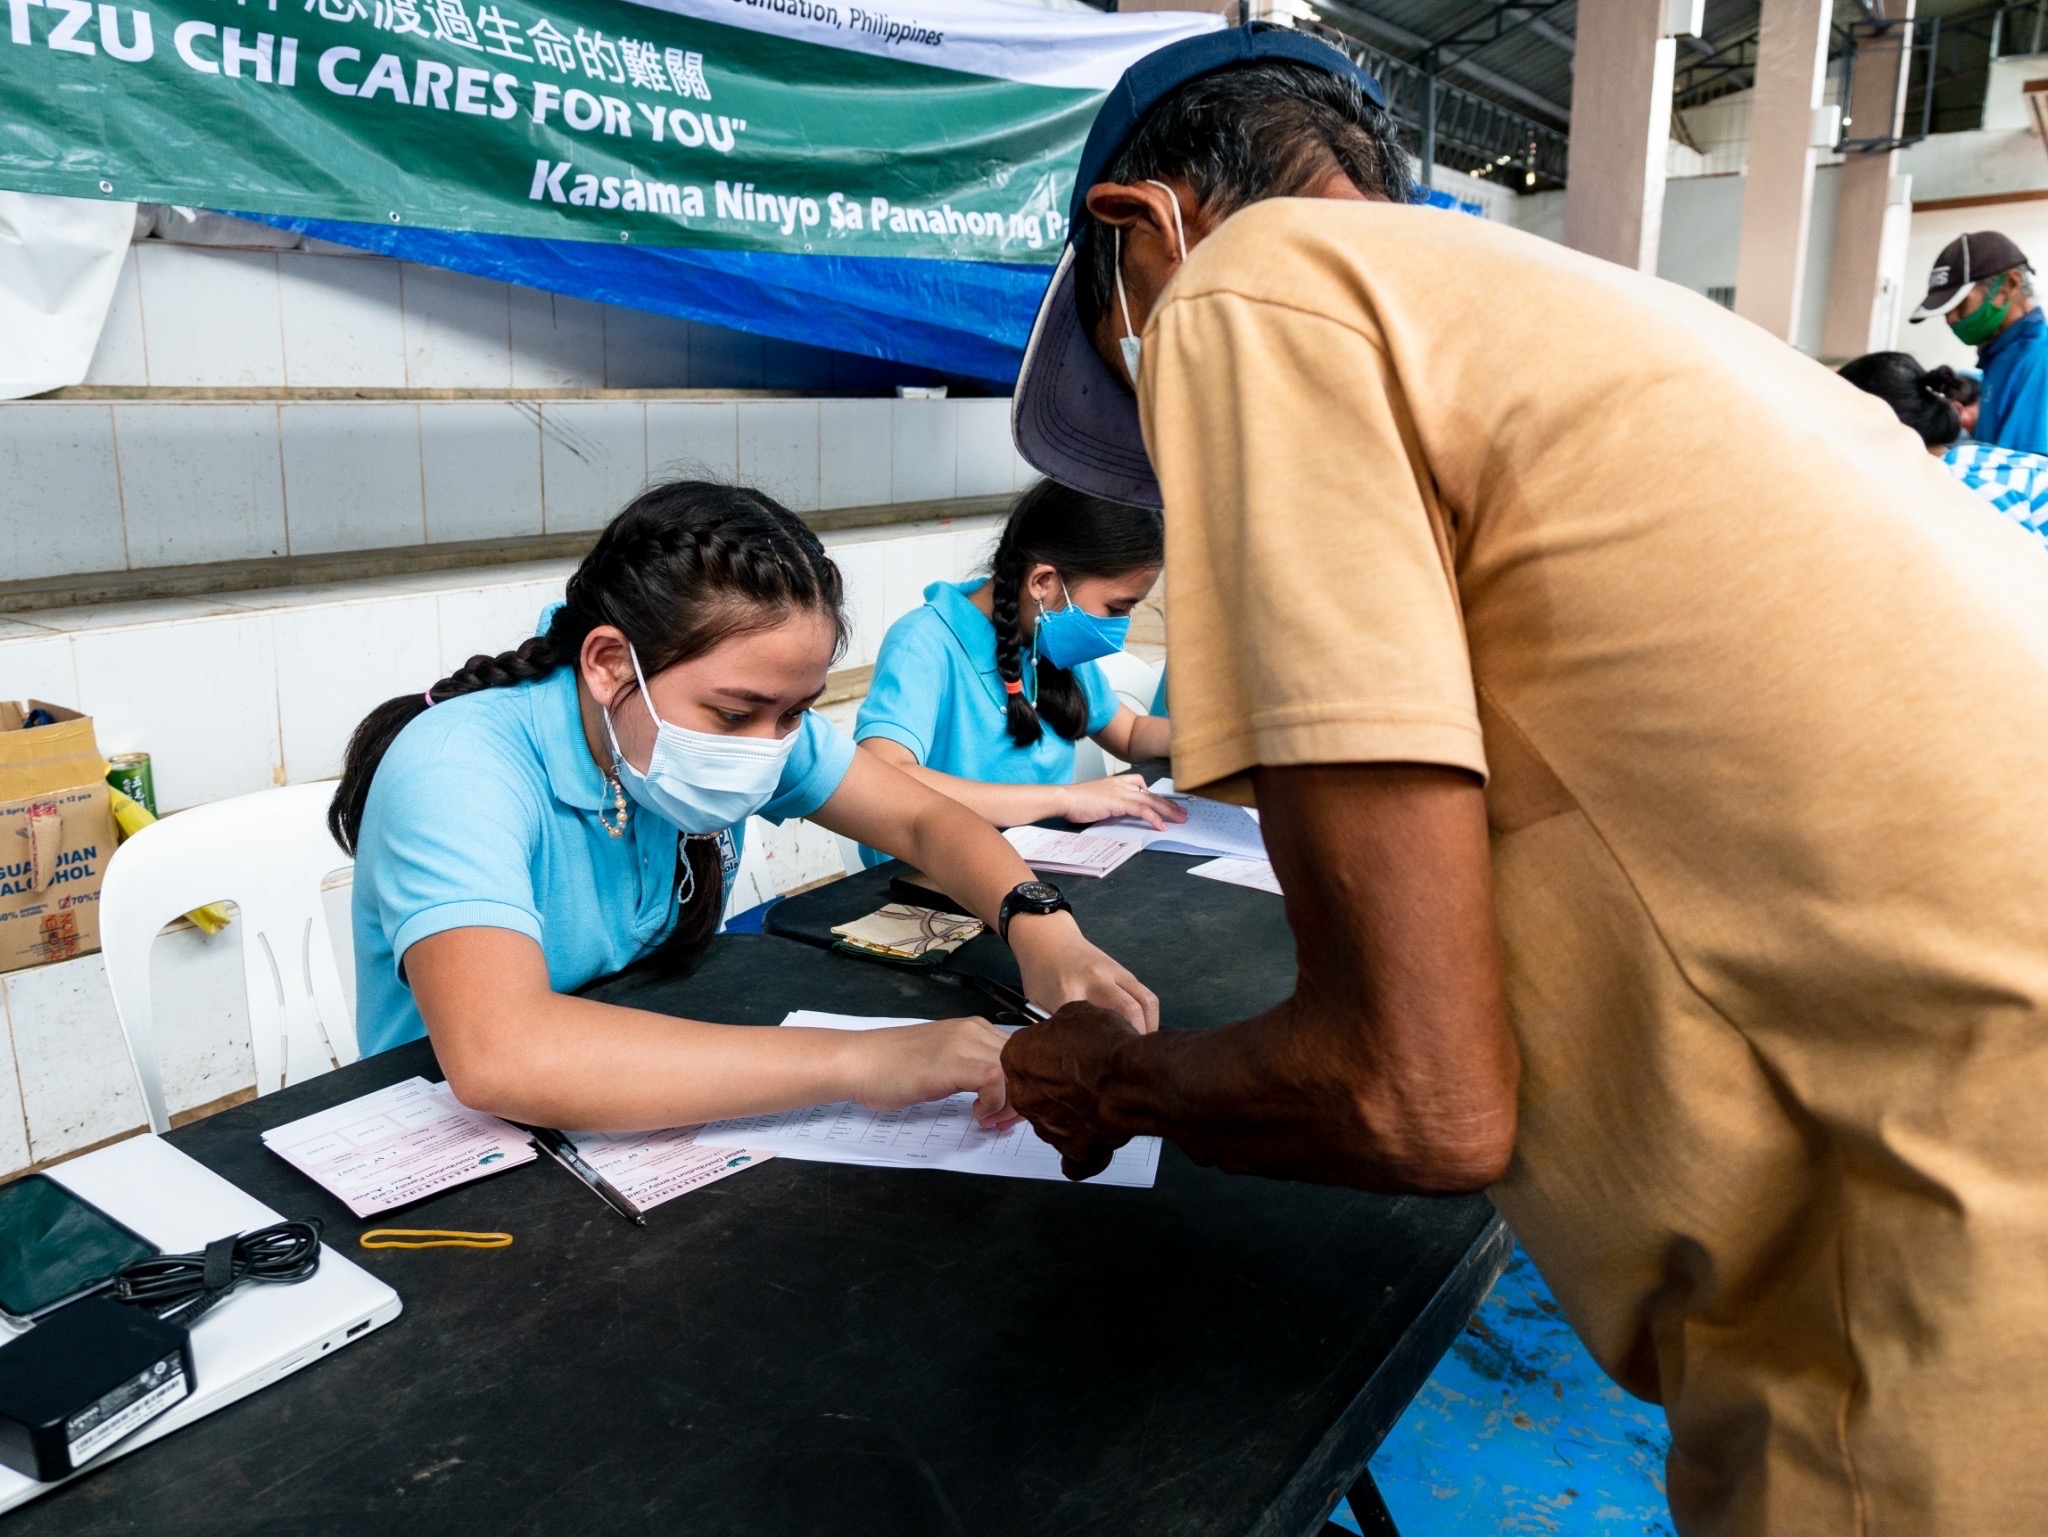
x,y
1503,68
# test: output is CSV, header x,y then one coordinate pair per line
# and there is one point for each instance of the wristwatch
x,y
1031,897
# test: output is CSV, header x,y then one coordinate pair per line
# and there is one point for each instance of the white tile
x,y
210,317
924,450
490,620
593,460
1023,474
557,341
343,324
853,452
480,462
973,543
199,696
986,456
200,481
779,450
14,1153
352,476
337,661
60,491
863,571
121,357
909,566
37,666
724,360
77,1085
693,440
457,330
81,617
644,351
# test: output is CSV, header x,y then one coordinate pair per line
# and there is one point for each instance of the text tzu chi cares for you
x,y
642,103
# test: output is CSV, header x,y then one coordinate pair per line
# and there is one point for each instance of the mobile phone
x,y
56,1247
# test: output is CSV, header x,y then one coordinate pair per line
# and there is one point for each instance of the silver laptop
x,y
260,1333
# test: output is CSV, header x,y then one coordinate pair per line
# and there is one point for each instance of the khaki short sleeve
x,y
1311,613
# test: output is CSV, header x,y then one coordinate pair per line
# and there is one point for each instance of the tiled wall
x,y
238,692
90,486
196,315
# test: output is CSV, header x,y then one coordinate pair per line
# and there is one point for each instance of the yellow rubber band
x,y
431,1238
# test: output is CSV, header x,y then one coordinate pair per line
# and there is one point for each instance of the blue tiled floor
x,y
1518,1431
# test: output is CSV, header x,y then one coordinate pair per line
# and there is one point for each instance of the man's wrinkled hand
x,y
1056,1070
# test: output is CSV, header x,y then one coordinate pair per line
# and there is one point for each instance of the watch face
x,y
1038,893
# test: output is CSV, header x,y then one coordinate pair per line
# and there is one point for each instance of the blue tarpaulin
x,y
967,319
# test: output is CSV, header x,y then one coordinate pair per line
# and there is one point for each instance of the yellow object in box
x,y
56,835
133,816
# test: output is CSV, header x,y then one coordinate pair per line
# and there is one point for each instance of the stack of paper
x,y
1212,827
940,1135
649,1167
1058,853
398,1145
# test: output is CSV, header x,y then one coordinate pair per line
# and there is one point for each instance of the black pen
x,y
564,1152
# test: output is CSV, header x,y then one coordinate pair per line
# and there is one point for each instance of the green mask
x,y
1981,324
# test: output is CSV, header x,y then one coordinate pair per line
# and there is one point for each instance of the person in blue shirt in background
x,y
1983,286
983,691
563,811
2013,482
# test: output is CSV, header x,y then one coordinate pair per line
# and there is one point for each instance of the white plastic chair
x,y
268,854
1135,682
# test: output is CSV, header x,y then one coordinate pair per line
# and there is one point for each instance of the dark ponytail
x,y
685,566
1923,400
1078,536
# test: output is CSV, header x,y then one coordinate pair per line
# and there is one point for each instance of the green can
x,y
129,772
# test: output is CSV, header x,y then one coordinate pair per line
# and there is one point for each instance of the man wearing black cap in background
x,y
1982,285
1648,738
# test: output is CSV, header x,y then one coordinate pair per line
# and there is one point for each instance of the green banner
x,y
784,125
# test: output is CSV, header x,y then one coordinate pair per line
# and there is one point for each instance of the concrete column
x,y
1621,120
1862,294
1777,195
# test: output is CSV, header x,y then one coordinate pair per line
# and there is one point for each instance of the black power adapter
x,y
99,1369
82,1379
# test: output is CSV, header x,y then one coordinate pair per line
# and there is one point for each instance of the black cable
x,y
181,1287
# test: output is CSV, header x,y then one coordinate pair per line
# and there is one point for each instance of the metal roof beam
x,y
1479,73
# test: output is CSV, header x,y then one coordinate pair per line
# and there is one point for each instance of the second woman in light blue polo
x,y
983,692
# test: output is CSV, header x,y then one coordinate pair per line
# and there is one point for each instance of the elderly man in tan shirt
x,y
1651,742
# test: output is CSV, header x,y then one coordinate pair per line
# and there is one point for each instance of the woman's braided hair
x,y
685,566
1078,536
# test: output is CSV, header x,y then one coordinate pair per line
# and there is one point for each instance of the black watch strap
x,y
1038,897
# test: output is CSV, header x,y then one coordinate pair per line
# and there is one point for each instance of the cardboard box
x,y
56,836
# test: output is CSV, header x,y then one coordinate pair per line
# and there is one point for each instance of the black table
x,y
1213,952
814,1349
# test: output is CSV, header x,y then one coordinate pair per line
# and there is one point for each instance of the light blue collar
x,y
976,633
573,775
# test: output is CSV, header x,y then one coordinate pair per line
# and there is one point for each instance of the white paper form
x,y
649,1167
1089,853
938,1135
1255,873
1212,827
398,1145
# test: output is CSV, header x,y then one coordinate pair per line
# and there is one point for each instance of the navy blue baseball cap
x,y
1072,418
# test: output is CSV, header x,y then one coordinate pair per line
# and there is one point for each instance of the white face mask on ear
x,y
1131,343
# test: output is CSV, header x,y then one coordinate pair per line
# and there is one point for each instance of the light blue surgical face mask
x,y
1067,637
1131,343
701,781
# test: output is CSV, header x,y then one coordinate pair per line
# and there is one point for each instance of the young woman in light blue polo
x,y
983,692
569,809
